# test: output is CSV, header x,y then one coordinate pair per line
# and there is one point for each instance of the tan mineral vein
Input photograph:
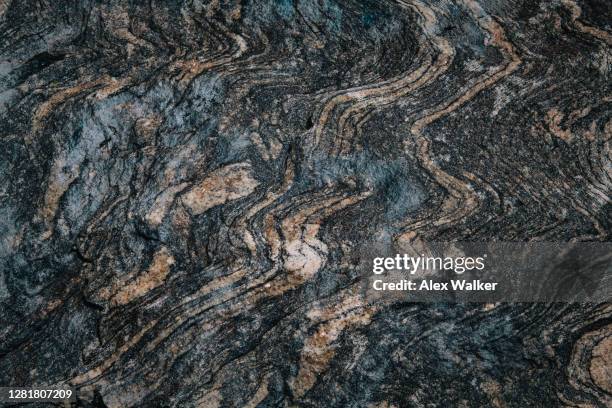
x,y
386,91
588,370
105,86
306,258
318,349
153,277
576,11
162,204
461,200
222,185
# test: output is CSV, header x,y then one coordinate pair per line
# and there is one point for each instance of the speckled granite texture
x,y
184,187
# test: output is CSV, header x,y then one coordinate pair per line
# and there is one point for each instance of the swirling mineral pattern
x,y
185,187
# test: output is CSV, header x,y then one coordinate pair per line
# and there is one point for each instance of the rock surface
x,y
185,185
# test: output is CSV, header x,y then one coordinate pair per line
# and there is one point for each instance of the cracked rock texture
x,y
184,186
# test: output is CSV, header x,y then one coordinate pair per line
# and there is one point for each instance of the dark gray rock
x,y
185,187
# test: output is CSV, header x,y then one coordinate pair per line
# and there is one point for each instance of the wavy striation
x,y
187,185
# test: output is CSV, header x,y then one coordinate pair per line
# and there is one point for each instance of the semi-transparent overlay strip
x,y
487,272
